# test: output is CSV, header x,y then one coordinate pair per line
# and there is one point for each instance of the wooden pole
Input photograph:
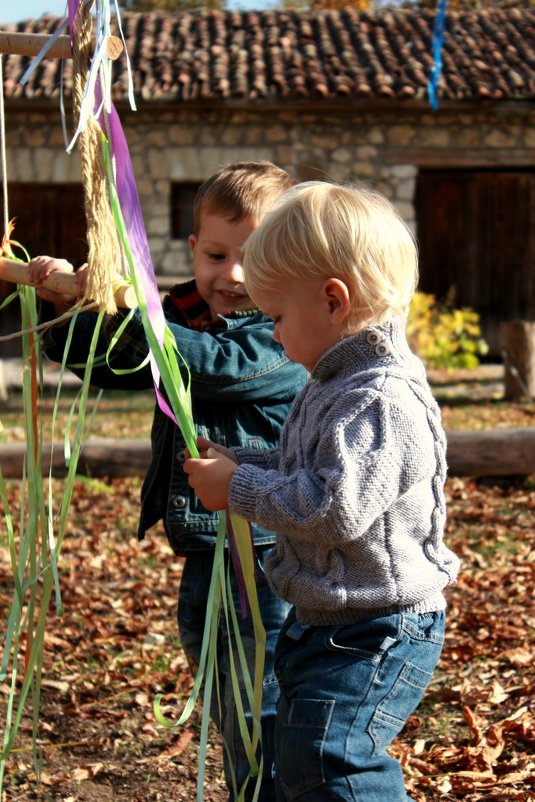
x,y
62,282
30,44
518,341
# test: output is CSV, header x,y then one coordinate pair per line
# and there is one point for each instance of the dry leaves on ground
x,y
115,647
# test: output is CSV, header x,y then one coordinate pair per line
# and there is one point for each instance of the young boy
x,y
355,493
242,386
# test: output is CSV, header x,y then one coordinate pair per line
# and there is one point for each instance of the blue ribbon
x,y
437,45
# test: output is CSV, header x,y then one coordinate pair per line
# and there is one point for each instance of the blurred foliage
x,y
442,336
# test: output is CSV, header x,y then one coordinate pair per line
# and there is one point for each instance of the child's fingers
x,y
37,268
209,480
204,444
40,267
80,280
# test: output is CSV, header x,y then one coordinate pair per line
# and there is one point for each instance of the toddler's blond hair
x,y
321,230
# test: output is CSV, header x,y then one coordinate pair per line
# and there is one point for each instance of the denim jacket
x,y
242,387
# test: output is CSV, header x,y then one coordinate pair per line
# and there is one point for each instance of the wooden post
x,y
30,44
518,342
3,386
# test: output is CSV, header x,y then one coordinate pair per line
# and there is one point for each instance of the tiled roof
x,y
286,55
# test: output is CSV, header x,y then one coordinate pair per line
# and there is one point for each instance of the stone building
x,y
328,94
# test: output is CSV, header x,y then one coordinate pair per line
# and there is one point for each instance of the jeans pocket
x,y
395,708
300,736
427,627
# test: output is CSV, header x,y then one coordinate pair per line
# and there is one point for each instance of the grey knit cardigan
x,y
355,492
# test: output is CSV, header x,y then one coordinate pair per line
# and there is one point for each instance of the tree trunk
x,y
518,340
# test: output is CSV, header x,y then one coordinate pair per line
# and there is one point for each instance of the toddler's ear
x,y
338,300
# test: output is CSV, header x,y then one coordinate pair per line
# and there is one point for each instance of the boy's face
x,y
309,317
217,262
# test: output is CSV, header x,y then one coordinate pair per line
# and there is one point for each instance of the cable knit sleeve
x,y
262,458
345,462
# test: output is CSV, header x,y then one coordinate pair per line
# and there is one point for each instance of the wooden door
x,y
476,232
49,219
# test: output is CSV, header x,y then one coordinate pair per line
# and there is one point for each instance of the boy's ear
x,y
192,242
337,298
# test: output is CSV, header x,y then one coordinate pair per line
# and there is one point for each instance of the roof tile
x,y
276,54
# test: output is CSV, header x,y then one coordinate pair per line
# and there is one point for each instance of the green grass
x,y
470,400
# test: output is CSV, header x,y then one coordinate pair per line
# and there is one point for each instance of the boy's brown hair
x,y
241,189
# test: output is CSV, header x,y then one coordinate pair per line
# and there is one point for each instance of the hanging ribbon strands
x,y
92,57
105,263
119,253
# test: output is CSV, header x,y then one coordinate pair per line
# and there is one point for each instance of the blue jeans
x,y
346,692
193,593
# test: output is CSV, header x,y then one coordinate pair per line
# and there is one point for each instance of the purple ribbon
x,y
128,197
236,564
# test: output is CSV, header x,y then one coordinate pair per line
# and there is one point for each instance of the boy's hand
x,y
210,478
205,444
39,269
80,280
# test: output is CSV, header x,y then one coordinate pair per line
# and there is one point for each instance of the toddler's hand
x,y
210,478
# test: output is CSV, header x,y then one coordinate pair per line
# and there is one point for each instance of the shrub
x,y
442,336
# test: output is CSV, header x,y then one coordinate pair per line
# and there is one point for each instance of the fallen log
x,y
492,452
100,456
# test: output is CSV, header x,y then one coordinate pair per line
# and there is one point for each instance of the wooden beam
x,y
30,44
456,157
62,282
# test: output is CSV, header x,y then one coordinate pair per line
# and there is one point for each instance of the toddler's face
x,y
306,322
217,263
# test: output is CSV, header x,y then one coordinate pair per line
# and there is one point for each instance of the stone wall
x,y
383,147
